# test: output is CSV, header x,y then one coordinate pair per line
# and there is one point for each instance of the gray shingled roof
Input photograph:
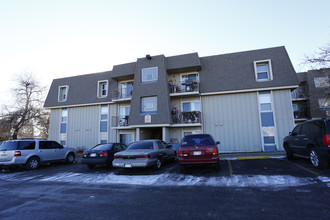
x,y
227,72
235,71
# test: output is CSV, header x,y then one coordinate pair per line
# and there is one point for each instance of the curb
x,y
253,158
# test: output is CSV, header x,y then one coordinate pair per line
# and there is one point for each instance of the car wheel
x,y
91,167
70,158
158,164
289,154
32,163
316,160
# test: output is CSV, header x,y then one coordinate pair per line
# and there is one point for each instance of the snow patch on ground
x,y
182,180
325,180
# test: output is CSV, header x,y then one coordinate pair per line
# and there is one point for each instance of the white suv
x,y
32,153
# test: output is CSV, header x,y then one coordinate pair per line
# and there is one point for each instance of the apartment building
x,y
312,98
243,99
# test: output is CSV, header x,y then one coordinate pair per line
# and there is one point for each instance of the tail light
x,y
104,154
326,140
84,155
143,156
17,154
215,152
180,153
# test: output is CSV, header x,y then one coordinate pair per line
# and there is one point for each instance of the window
x,y
191,106
124,115
104,118
324,103
102,89
189,82
149,104
64,120
126,89
295,107
263,70
321,82
27,145
63,93
267,120
126,138
150,74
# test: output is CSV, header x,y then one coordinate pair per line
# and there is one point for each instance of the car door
x,y
294,139
303,139
50,150
163,151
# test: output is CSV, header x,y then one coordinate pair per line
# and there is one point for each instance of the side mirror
x,y
293,133
218,142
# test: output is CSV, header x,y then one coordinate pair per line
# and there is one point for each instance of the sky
x,y
61,38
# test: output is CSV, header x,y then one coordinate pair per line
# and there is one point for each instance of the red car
x,y
198,149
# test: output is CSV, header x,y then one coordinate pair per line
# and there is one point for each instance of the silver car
x,y
32,153
145,153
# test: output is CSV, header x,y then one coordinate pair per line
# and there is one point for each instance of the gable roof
x,y
219,73
235,71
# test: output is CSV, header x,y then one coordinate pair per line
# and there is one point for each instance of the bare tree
x,y
28,109
319,60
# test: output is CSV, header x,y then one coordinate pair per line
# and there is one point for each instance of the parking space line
x,y
304,168
230,168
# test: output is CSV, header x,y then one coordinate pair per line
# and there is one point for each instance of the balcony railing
x,y
123,93
184,86
300,114
120,121
179,117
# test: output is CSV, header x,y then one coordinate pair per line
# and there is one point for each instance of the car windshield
x,y
103,147
9,145
141,145
197,140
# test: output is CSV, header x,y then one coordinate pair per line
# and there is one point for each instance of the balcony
x,y
188,87
123,94
300,115
193,117
120,121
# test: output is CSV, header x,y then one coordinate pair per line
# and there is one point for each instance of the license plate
x,y
197,153
3,155
128,165
92,155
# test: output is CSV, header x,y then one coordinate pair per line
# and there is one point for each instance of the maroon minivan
x,y
198,149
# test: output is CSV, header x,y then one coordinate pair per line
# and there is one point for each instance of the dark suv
x,y
310,140
31,153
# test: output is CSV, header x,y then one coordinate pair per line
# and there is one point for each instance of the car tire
x,y
32,163
70,158
91,167
158,164
289,153
316,160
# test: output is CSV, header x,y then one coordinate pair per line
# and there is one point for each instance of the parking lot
x,y
273,187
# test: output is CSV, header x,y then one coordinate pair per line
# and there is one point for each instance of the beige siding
x,y
54,125
283,111
233,120
113,108
83,126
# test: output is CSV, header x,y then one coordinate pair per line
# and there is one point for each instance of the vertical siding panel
x,y
233,120
54,125
283,115
83,126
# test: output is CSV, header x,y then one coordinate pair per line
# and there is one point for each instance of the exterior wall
x,y
233,119
54,125
113,111
284,119
83,127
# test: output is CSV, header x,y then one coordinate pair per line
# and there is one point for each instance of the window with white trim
x,y
267,120
191,106
63,93
102,90
150,74
104,118
263,70
64,120
149,104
